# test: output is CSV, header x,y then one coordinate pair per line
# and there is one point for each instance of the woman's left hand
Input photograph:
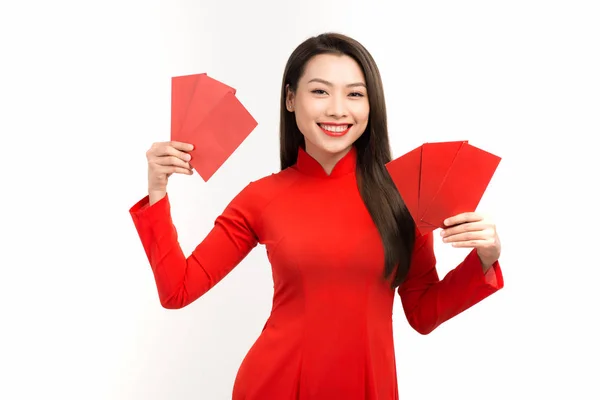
x,y
473,230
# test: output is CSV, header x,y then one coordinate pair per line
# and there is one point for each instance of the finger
x,y
465,227
172,169
462,218
171,161
165,149
172,151
181,146
466,237
471,243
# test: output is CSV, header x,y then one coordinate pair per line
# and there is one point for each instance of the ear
x,y
289,98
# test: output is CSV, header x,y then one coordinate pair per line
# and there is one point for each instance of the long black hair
x,y
384,203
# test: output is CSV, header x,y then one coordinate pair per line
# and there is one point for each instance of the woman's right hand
x,y
165,159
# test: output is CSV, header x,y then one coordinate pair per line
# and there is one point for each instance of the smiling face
x,y
330,105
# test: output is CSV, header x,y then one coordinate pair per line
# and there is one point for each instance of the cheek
x,y
308,112
311,109
361,113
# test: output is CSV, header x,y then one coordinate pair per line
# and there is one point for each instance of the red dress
x,y
329,335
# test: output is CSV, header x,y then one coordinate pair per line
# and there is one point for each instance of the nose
x,y
337,107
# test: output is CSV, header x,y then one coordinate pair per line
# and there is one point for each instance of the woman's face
x,y
330,104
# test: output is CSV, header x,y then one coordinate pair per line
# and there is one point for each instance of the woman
x,y
337,233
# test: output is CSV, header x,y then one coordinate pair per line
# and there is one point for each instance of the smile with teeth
x,y
335,130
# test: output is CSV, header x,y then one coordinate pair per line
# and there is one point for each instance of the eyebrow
x,y
323,81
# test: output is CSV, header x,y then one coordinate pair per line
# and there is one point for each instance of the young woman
x,y
338,236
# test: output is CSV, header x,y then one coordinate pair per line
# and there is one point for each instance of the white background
x,y
85,90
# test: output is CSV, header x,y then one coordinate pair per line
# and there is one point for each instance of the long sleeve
x,y
429,301
180,280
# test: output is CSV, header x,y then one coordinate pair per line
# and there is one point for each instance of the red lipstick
x,y
335,132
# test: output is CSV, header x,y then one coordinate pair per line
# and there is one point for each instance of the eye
x,y
356,94
318,91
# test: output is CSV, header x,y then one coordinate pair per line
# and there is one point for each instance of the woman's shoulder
x,y
274,181
261,191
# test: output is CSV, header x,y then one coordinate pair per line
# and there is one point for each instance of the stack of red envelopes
x,y
206,113
440,180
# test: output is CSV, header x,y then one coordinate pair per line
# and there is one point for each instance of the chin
x,y
331,144
335,145
336,148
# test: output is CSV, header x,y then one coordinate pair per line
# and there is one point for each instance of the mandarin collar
x,y
309,166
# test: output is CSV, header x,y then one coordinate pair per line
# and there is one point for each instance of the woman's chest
x,y
322,228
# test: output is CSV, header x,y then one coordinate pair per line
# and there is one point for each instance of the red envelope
x,y
206,113
442,179
208,92
436,159
220,134
463,185
182,91
405,171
